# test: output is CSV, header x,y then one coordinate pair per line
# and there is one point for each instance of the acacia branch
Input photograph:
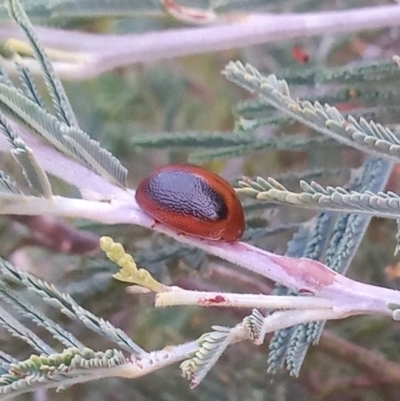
x,y
88,55
120,207
303,274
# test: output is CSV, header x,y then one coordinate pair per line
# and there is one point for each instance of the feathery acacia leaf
x,y
34,117
53,83
91,153
29,85
69,307
311,242
254,325
47,371
64,133
33,172
315,196
71,141
16,329
6,360
291,143
189,139
368,137
211,347
344,240
11,297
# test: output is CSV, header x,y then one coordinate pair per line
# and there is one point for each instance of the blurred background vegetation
x,y
131,109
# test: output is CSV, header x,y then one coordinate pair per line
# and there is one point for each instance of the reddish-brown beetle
x,y
192,201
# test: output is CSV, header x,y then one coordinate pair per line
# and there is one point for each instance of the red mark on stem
x,y
210,301
313,273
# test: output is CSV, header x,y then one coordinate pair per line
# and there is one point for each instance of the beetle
x,y
193,201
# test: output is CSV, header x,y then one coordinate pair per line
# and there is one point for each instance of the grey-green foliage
x,y
310,241
363,90
332,239
18,330
211,346
274,94
53,83
363,135
70,140
223,145
315,196
69,307
29,86
345,238
48,366
47,371
62,130
20,305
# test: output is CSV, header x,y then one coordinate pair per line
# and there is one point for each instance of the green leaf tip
x,y
129,271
